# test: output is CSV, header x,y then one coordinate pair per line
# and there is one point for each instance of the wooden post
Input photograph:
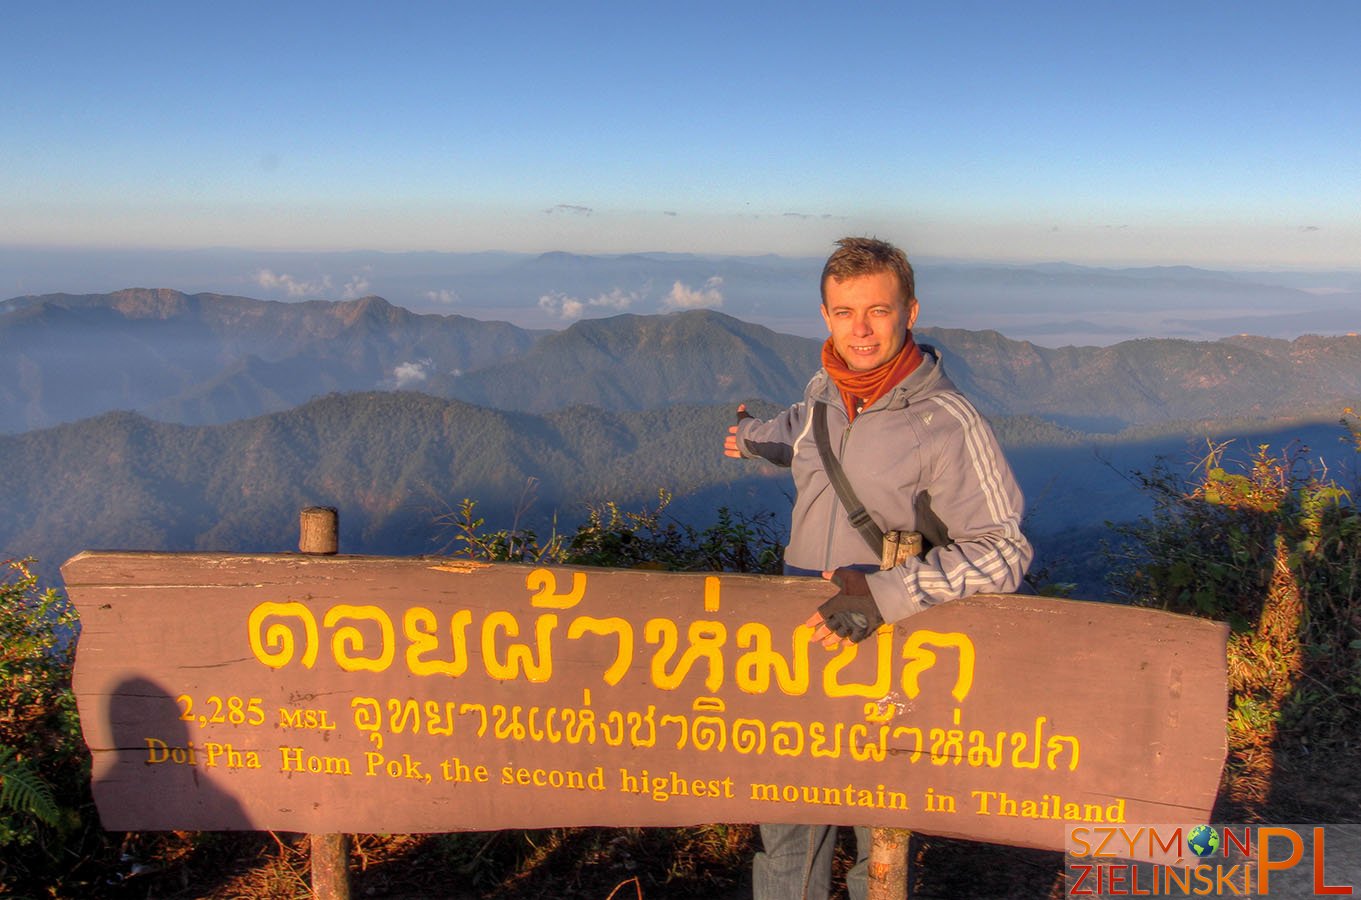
x,y
330,866
319,530
888,864
319,533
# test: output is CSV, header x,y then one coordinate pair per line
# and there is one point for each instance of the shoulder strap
x,y
837,476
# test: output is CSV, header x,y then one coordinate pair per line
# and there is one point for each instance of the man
x,y
918,458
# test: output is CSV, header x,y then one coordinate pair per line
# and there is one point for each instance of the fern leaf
x,y
22,789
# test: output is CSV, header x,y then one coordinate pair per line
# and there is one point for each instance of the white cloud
x,y
409,373
444,297
566,307
683,296
552,303
615,299
293,287
356,287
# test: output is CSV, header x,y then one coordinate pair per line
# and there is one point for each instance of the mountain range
x,y
152,419
210,359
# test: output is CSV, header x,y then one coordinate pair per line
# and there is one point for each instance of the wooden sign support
x,y
319,535
335,694
889,872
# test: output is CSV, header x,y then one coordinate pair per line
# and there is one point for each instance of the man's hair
x,y
857,256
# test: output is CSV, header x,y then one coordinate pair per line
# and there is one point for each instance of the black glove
x,y
851,614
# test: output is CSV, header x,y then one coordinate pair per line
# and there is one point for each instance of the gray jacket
x,y
923,436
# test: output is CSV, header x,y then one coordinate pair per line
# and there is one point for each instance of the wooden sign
x,y
361,694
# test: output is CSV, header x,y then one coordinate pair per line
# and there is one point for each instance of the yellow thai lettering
x,y
480,709
756,666
981,752
947,744
708,732
401,713
349,640
433,725
1020,739
918,659
419,625
786,738
883,646
1056,745
637,736
864,746
276,646
519,658
817,733
706,640
506,723
917,747
749,736
545,586
580,725
368,713
621,628
612,729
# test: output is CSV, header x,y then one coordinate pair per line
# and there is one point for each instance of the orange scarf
x,y
861,389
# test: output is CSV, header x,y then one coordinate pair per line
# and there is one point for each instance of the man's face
x,y
867,318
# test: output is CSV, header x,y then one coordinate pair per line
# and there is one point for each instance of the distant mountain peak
x,y
560,256
366,305
150,303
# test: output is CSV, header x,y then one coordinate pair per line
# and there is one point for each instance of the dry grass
x,y
596,863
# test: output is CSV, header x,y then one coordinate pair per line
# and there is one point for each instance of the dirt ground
x,y
623,864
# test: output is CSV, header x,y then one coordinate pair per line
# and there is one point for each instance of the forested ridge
x,y
392,461
210,359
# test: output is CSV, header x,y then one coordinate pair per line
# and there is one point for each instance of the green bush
x,y
1273,547
644,538
44,766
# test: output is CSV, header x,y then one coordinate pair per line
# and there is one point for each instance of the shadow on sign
x,y
171,769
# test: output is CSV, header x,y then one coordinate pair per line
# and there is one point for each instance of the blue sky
x,y
1091,132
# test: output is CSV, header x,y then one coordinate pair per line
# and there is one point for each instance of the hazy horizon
x,y
1051,304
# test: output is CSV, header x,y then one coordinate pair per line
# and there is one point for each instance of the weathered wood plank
x,y
354,694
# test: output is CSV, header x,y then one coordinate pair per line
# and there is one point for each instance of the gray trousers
x,y
796,863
